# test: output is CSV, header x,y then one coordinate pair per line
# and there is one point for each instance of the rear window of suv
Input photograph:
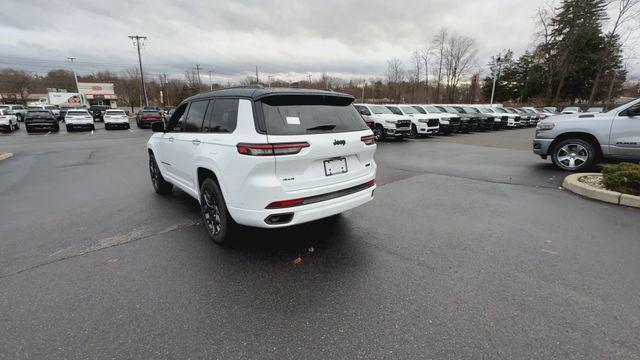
x,y
307,114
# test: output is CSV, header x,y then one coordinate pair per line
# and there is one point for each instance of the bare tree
x,y
425,54
16,82
395,77
415,77
625,10
545,34
460,57
439,42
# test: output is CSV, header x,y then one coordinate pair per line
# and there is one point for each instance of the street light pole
x,y
137,39
210,81
493,89
72,59
269,77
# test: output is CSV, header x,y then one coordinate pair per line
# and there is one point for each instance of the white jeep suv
x,y
265,157
422,124
78,119
114,118
386,123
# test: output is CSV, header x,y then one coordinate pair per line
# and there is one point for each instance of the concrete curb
x,y
4,156
573,184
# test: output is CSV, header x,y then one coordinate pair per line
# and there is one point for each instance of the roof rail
x,y
254,86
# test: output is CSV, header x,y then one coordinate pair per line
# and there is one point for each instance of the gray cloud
x,y
350,37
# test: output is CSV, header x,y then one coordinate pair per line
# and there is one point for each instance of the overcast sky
x,y
285,38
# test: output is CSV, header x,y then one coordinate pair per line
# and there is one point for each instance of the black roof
x,y
259,93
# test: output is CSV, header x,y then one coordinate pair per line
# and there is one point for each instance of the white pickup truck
x,y
386,123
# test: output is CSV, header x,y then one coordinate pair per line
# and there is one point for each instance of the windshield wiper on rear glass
x,y
322,127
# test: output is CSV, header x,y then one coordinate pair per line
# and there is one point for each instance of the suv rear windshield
x,y
307,114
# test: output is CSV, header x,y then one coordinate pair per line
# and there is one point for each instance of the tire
x,y
128,126
106,126
29,131
215,216
93,127
160,185
68,128
378,132
574,155
413,133
56,128
10,127
139,125
19,117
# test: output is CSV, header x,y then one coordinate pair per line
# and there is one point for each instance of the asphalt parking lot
x,y
469,251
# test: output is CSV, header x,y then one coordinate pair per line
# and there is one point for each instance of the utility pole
x,y
493,89
74,73
161,92
364,84
210,81
309,76
269,77
137,44
257,77
198,72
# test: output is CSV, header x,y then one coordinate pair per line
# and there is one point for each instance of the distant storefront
x,y
98,93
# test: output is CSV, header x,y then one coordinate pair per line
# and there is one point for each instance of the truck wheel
x,y
160,185
215,216
574,155
68,128
19,117
413,133
378,132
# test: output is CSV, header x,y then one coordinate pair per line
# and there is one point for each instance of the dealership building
x,y
98,93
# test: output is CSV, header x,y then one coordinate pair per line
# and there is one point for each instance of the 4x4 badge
x,y
339,142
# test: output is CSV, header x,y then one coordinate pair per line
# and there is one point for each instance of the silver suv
x,y
576,142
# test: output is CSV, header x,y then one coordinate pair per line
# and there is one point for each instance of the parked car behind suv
x,y
115,118
422,124
467,122
41,119
265,157
387,124
449,123
8,120
576,142
97,111
144,118
18,110
79,119
54,109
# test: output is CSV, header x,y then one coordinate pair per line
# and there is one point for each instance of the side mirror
x,y
157,126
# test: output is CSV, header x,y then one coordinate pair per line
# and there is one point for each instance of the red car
x,y
144,118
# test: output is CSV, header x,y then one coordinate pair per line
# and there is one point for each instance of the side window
x,y
394,110
363,110
195,116
222,117
175,122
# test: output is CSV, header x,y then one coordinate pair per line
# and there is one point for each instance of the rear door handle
x,y
195,142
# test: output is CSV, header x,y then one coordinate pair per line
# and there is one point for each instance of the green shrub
x,y
623,177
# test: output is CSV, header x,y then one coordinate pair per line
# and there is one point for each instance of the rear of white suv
x,y
115,118
265,157
78,119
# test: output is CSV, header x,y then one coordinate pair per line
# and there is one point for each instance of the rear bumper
x,y
304,213
42,125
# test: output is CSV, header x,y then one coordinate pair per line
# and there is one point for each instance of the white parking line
x,y
91,132
130,130
47,134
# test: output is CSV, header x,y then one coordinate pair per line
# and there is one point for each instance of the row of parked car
x,y
75,117
414,120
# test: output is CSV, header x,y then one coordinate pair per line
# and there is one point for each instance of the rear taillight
x,y
368,140
285,203
370,183
271,149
